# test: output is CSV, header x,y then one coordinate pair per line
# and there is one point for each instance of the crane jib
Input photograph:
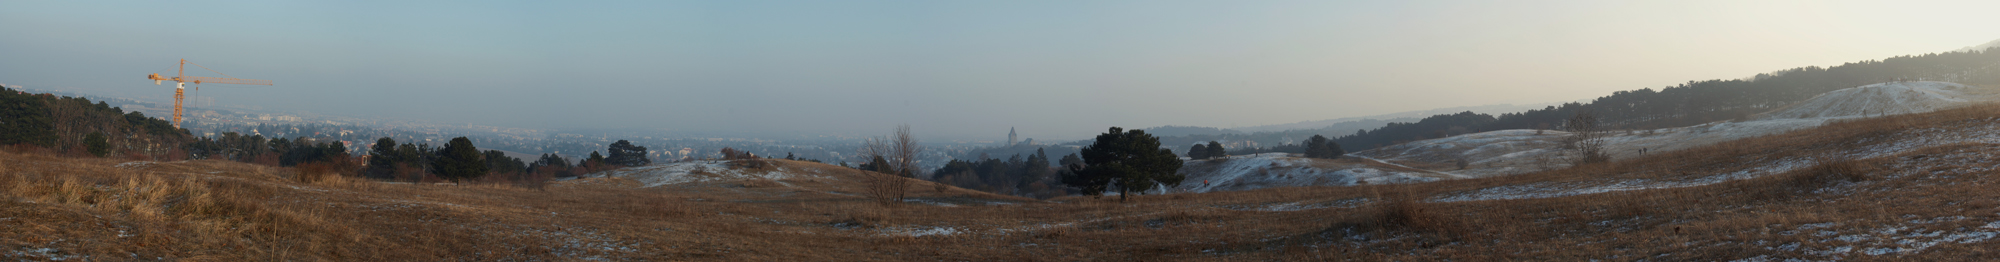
x,y
181,79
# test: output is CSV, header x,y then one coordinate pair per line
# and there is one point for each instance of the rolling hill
x,y
1517,151
1909,187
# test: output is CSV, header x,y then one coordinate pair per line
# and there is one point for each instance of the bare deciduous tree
x,y
900,149
1586,137
905,148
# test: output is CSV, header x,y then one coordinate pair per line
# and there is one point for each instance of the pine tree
x,y
1037,165
1133,160
96,143
1320,147
1215,150
1334,150
593,163
1198,152
382,158
459,160
25,119
623,153
498,162
880,164
1070,159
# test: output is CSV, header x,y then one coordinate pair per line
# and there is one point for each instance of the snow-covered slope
x,y
1980,131
1516,151
698,171
1485,153
1893,98
1287,170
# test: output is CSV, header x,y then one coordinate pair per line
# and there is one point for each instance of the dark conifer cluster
x,y
1126,161
1031,176
1211,150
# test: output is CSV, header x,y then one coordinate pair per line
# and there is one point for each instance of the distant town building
x,y
1011,137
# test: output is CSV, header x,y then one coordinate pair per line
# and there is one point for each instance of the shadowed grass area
x,y
1847,196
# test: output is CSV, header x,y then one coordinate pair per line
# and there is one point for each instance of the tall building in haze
x,y
1011,137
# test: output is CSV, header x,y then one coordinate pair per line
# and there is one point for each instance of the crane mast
x,y
181,79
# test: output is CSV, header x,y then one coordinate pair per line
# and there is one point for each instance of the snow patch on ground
x,y
1486,153
1892,98
1505,152
928,202
586,244
1894,238
134,164
1299,206
1270,170
696,171
921,231
50,254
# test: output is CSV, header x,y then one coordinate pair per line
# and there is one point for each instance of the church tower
x,y
1011,137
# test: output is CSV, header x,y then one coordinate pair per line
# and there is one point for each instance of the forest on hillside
x,y
1685,104
1697,102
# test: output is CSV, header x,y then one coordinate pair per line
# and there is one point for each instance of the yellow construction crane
x,y
181,79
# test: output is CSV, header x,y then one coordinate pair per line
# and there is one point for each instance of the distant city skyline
x,y
1058,70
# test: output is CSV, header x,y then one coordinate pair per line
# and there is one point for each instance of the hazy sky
x,y
951,69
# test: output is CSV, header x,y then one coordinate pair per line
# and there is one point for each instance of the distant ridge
x,y
1315,124
1981,47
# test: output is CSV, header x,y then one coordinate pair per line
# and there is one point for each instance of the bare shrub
x,y
538,181
313,172
409,172
1401,208
1825,172
1586,138
900,149
886,189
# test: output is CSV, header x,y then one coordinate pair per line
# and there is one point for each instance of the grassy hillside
x,y
1912,187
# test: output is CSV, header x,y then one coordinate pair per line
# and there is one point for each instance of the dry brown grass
x,y
214,210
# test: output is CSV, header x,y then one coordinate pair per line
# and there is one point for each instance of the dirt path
x,y
1452,175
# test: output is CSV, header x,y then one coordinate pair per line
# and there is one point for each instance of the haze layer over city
x,y
959,70
1115,130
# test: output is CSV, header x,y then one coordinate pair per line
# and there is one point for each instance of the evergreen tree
x,y
331,151
1320,147
1035,169
594,160
1215,150
1334,150
1131,160
382,158
623,153
880,164
1198,152
280,146
552,160
560,167
25,119
96,143
459,160
1070,159
498,162
415,155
